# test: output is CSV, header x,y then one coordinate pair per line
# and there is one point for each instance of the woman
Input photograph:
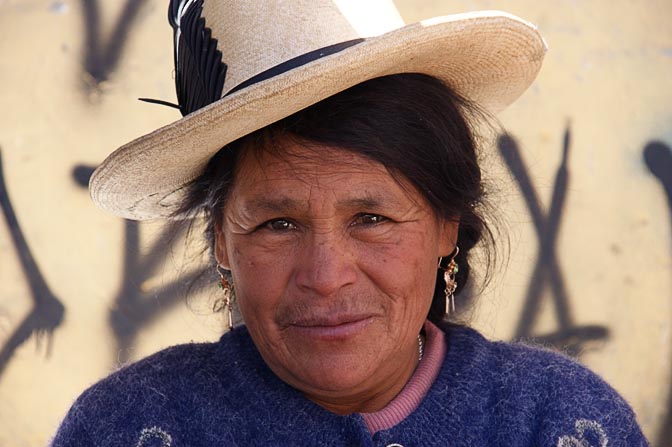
x,y
339,179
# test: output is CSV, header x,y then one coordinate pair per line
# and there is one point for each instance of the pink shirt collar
x,y
417,387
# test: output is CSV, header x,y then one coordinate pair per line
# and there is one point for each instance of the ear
x,y
221,255
447,236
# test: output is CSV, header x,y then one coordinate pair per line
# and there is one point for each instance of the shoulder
x,y
545,372
186,366
561,401
174,366
172,384
512,362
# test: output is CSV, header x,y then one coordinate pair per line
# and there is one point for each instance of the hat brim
x,y
489,57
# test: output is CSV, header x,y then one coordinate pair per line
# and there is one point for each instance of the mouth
x,y
332,328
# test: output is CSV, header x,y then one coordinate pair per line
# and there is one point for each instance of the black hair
x,y
413,124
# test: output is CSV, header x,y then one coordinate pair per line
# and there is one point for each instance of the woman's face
x,y
334,265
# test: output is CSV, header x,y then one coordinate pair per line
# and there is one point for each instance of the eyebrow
x,y
284,204
274,205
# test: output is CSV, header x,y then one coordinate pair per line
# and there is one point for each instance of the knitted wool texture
x,y
223,394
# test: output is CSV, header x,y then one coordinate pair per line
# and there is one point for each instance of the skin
x,y
334,264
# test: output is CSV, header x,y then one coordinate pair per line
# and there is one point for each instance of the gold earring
x,y
227,298
449,276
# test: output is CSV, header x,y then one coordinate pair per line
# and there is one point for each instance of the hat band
x,y
295,63
267,74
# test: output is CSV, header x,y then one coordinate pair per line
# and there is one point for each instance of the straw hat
x,y
242,65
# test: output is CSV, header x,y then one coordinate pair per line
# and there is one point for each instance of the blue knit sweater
x,y
222,394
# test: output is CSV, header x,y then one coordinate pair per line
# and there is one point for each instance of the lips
x,y
333,327
330,320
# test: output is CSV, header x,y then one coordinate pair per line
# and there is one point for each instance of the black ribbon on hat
x,y
295,62
199,69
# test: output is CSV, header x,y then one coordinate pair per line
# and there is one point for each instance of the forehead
x,y
296,170
290,159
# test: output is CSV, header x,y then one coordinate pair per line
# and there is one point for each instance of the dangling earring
x,y
227,299
451,284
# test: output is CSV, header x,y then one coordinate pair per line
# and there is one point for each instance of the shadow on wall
x,y
101,59
569,337
134,308
47,311
658,158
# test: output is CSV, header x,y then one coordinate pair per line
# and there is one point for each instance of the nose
x,y
327,264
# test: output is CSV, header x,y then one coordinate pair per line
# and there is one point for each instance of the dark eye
x,y
369,219
280,225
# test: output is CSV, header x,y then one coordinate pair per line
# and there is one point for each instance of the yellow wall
x,y
83,295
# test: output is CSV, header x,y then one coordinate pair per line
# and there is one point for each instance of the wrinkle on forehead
x,y
304,158
304,161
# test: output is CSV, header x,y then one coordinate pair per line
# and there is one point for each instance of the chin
x,y
334,373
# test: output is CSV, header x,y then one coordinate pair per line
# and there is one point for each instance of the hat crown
x,y
254,36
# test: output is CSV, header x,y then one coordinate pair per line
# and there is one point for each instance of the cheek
x,y
250,264
259,279
404,273
413,281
